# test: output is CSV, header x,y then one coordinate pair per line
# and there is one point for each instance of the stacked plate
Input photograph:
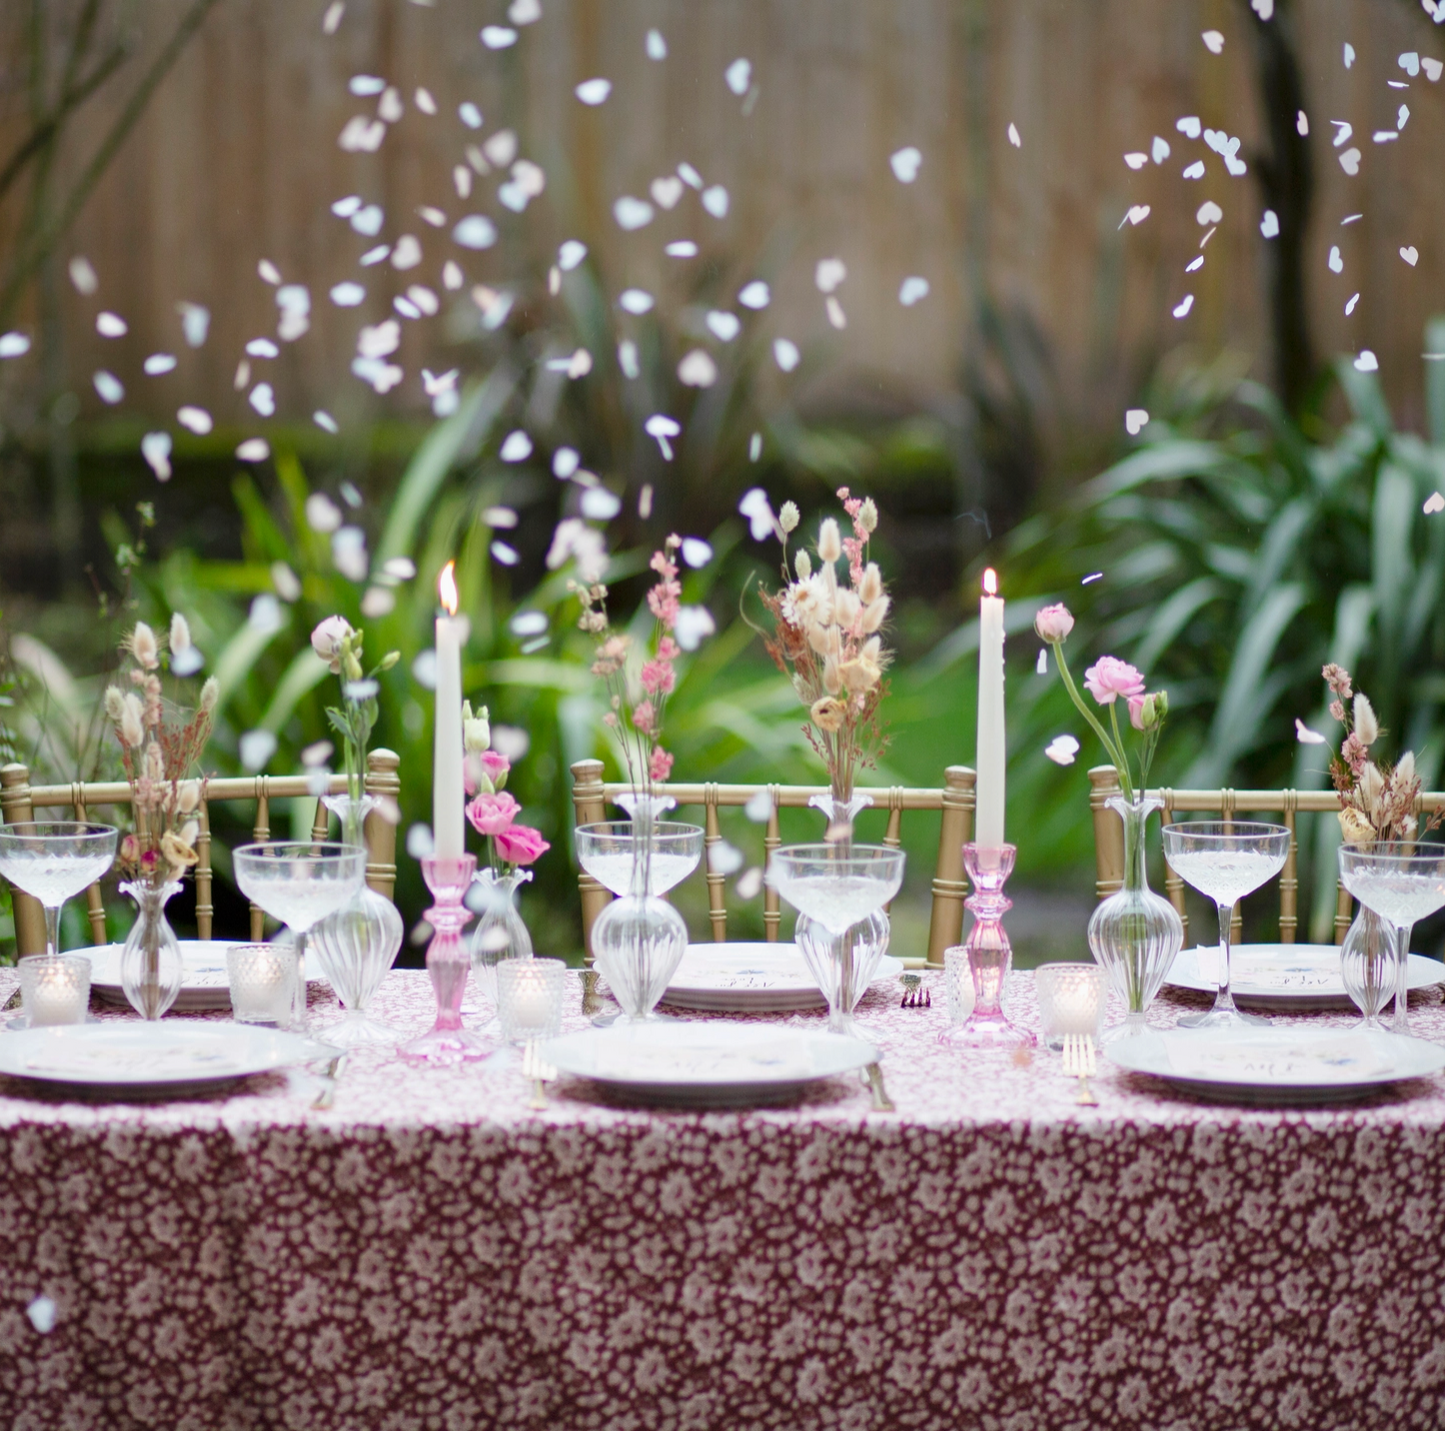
x,y
752,979
1286,977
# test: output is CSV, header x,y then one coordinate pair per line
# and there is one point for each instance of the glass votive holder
x,y
529,998
263,983
55,989
1071,1001
958,984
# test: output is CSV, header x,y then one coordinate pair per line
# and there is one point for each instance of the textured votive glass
x,y
958,984
263,983
1071,1001
529,998
55,988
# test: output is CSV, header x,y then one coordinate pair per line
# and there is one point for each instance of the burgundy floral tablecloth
x,y
430,1255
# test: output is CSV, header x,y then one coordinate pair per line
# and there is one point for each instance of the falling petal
x,y
469,114
452,278
506,555
108,386
593,91
1336,262
155,447
600,505
656,45
374,255
82,275
1194,265
243,375
1435,502
1189,126
1350,162
1302,124
1269,224
661,427
739,75
723,326
666,191
755,446
14,345
425,102
1350,306
1159,150
110,325
1136,159
268,271
632,213
524,12
697,369
906,163
689,175
829,273
435,217
1410,62
1213,42
634,300
1411,255
1013,137
195,419
696,552
755,295
1195,170
1367,362
571,254
498,37
1209,213
254,449
1305,735
325,421
476,231
1041,666
263,399
256,747
501,148
366,85
627,358
681,248
785,354
715,201
347,295
1135,420
1062,749
836,316
912,290
406,253
195,322
1182,310
262,348
516,447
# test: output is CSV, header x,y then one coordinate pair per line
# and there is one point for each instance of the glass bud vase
x,y
1367,965
639,939
1135,934
356,947
500,933
151,969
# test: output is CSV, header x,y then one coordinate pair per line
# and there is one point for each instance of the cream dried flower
x,y
114,704
188,796
788,516
875,614
1355,829
210,694
131,726
868,516
142,644
830,542
871,587
828,714
1371,785
847,608
1367,727
804,565
180,634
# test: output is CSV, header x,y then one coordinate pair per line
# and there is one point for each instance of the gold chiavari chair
x,y
955,800
19,801
1280,806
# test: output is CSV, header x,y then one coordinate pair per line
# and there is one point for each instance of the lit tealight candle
x,y
56,989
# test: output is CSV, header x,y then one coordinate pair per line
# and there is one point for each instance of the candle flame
x,y
990,582
447,588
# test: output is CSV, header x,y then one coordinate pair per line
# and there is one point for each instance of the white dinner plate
x,y
1278,1064
752,979
205,984
122,1059
677,1061
1297,976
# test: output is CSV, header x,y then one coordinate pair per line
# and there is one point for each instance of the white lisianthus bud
x,y
830,543
788,516
180,634
1367,727
476,730
871,587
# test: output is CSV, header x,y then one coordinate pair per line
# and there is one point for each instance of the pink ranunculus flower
x,y
1053,623
1110,678
327,638
521,845
496,767
493,814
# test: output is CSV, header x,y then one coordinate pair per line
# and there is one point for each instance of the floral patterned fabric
x,y
430,1255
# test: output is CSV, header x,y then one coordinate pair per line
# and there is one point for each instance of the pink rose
x,y
521,845
327,639
493,814
496,767
1053,623
1136,712
1110,677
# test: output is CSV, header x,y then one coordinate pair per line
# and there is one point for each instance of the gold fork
x,y
539,1072
1079,1063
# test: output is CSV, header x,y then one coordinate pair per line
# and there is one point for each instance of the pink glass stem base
x,y
990,955
449,964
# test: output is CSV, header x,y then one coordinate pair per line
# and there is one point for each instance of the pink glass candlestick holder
x,y
989,953
448,962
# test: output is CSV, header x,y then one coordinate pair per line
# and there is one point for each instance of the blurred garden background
x,y
1269,514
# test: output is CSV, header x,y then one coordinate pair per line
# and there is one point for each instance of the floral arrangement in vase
x,y
340,645
1134,933
160,747
511,847
826,638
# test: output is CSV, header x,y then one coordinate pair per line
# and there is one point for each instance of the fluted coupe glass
x,y
1402,881
838,886
53,860
1225,860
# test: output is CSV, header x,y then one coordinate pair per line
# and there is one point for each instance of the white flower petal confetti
x,y
476,231
689,175
1302,124
580,364
111,325
1135,420
1402,116
1136,160
516,447
195,419
627,359
1367,362
469,114
1350,306
524,12
600,505
41,1313
697,369
1305,735
406,253
256,748
593,91
1062,749
836,316
529,623
662,428
906,164
1213,42
1336,262
571,254
435,217
1410,62
1013,137
268,271
325,421
155,447
723,326
380,340
1182,310
452,278
1263,8
666,191
1041,666
715,201
785,354
1433,68
1137,214
1350,162
1411,255
159,363
195,322
506,555
262,348
1209,213
367,221
424,101
681,248
108,386
755,295
254,449
632,213
1194,265
419,841
498,37
263,399
344,208
14,345
347,295
424,298
696,553
1195,170
694,625
501,148
656,45
755,446
322,514
374,255
829,273
635,300
1384,136
1159,150
739,76
912,290
1189,126
1269,224
243,375
565,462
361,135
1435,502
366,85
1343,130
82,275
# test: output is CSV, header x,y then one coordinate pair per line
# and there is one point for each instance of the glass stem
x,y
298,1004
1224,1000
1401,1022
52,929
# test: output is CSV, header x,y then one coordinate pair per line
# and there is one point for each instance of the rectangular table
x,y
430,1253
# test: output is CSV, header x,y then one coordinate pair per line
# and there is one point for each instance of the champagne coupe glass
x,y
838,886
53,860
606,851
1402,881
300,883
1225,860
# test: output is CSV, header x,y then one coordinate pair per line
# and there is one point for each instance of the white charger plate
x,y
205,984
1278,1064
1295,976
678,1061
123,1059
752,979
